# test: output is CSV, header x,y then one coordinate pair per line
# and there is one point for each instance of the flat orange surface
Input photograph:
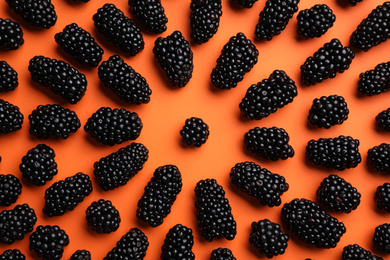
x,y
164,116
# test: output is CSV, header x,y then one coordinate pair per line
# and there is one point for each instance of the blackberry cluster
x,y
382,238
328,111
195,132
37,13
316,21
378,157
311,224
61,78
124,81
376,81
268,238
63,196
178,244
119,29
338,153
222,254
103,217
11,119
11,35
274,18
81,255
214,214
159,195
53,121
10,189
80,45
48,242
175,57
8,76
238,56
383,120
151,14
258,182
382,197
245,3
355,252
118,168
12,254
205,16
265,97
269,143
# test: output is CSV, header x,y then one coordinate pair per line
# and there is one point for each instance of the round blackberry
x,y
8,76
316,21
245,3
195,132
376,81
328,111
383,120
382,197
178,244
103,217
10,189
222,254
12,254
48,242
81,255
11,35
378,157
382,238
353,252
151,14
11,119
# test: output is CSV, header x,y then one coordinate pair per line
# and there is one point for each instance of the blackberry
x,y
353,2
11,119
382,197
265,97
382,238
119,29
159,195
16,223
8,76
178,244
37,13
222,254
352,252
175,57
316,21
214,214
383,120
150,13
337,153
195,132
311,224
378,157
48,242
269,143
205,16
123,80
80,45
103,217
81,255
328,111
274,18
10,189
245,3
14,254
238,56
65,195
59,77
132,245
11,35
376,81
118,168
268,238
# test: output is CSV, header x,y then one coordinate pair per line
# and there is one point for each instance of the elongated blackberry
x,y
12,254
175,57
119,29
311,224
265,97
178,244
195,132
11,35
376,81
383,120
81,255
378,157
118,168
8,76
48,242
382,197
328,111
103,217
159,195
11,119
382,238
245,3
124,81
80,45
316,21
10,189
213,211
150,13
238,56
338,153
222,254
355,252
63,196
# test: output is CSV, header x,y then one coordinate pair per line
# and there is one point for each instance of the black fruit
x,y
11,119
316,21
103,217
328,111
8,76
178,244
355,252
245,3
222,254
382,197
376,81
12,254
383,120
382,238
378,157
10,189
195,132
81,255
151,14
48,242
11,35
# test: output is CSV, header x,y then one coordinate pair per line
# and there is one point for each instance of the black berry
x,y
81,255
382,197
103,217
8,76
378,157
150,13
376,81
382,238
11,35
11,119
328,111
178,244
195,132
222,254
12,254
10,189
316,21
245,3
355,252
48,242
383,120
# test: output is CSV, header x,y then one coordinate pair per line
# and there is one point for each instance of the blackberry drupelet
x,y
159,195
12,254
48,242
124,81
195,132
383,120
355,252
80,45
311,224
81,255
11,119
238,56
11,35
268,238
175,57
63,196
222,254
178,244
265,97
245,3
53,121
328,111
337,153
382,238
8,76
103,217
378,157
119,29
382,197
118,168
214,215
376,81
316,21
10,189
150,14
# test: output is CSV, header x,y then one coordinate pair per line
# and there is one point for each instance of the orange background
x,y
164,116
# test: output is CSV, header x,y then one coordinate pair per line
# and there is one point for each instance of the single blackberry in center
x,y
195,132
8,76
178,244
10,189
376,81
12,254
81,255
11,119
150,13
355,252
316,21
245,3
382,238
222,254
382,197
48,242
11,35
378,157
328,111
103,217
383,120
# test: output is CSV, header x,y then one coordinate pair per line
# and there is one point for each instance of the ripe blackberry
x,y
118,168
14,254
222,254
159,195
382,197
355,252
10,189
338,153
11,119
178,244
268,238
311,224
238,56
37,13
265,97
328,111
119,29
214,214
80,45
382,238
8,76
11,35
103,217
175,57
378,157
124,81
376,81
151,14
274,18
269,143
245,3
65,195
383,120
81,255
195,132
316,21
48,242
132,245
